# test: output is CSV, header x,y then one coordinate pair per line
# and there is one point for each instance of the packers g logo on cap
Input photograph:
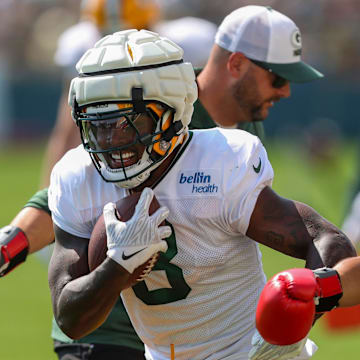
x,y
296,42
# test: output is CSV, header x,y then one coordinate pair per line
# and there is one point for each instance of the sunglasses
x,y
278,82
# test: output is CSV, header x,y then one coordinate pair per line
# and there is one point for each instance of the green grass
x,y
25,310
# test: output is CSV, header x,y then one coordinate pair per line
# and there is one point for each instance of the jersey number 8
x,y
179,288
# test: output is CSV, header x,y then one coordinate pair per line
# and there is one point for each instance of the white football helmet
x,y
125,76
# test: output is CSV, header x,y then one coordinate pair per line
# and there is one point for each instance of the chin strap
x,y
14,247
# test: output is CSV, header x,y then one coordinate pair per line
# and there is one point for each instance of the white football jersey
x,y
200,299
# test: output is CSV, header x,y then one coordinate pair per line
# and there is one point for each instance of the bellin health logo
x,y
201,182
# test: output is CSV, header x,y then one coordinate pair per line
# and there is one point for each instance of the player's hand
x,y
262,350
288,303
132,243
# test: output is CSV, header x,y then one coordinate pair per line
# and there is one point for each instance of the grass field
x,y
25,310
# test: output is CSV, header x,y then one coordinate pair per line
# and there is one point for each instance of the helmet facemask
x,y
126,141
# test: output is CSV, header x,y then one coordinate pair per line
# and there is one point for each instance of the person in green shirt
x,y
229,97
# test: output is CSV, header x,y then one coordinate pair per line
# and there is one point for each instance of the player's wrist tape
x,y
330,287
14,247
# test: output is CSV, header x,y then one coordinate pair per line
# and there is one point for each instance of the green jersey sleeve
x,y
39,201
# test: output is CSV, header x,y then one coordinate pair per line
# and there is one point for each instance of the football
x,y
98,245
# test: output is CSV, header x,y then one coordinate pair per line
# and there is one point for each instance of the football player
x,y
29,217
133,102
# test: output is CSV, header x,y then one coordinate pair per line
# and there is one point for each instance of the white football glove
x,y
132,243
262,350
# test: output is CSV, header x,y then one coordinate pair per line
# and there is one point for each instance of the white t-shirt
x,y
351,223
73,43
194,35
202,295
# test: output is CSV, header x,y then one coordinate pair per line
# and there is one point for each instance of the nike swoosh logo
x,y
127,257
257,169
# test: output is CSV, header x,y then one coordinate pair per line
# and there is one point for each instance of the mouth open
x,y
123,160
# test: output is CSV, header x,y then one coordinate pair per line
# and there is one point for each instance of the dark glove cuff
x,y
330,289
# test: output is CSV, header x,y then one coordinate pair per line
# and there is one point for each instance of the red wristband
x,y
14,247
330,287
